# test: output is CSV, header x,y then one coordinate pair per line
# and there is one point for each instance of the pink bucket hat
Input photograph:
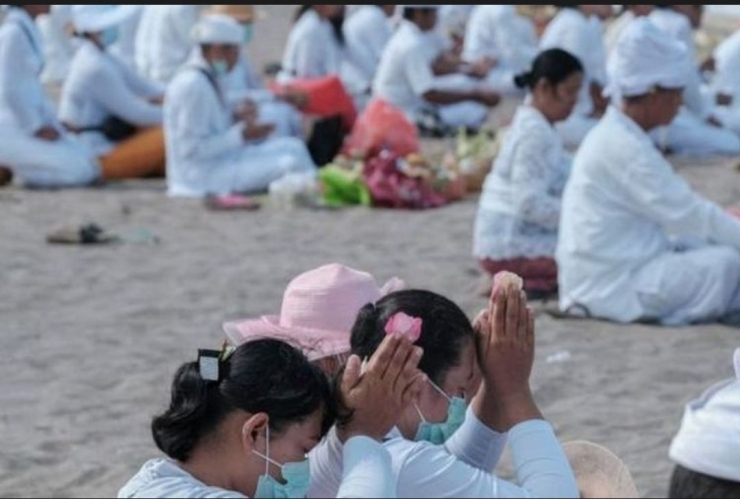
x,y
318,312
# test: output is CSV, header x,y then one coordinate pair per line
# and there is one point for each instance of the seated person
x,y
209,151
519,213
706,449
499,33
578,29
624,252
420,78
244,88
724,88
241,423
34,146
696,131
628,14
101,91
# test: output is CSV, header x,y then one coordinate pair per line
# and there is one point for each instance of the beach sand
x,y
91,337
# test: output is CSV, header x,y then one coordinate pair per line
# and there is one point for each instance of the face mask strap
x,y
267,458
440,391
423,419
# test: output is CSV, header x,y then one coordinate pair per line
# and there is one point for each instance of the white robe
x,y
689,134
311,50
405,75
623,208
125,47
59,46
582,36
25,108
206,153
497,31
519,209
99,86
163,40
727,81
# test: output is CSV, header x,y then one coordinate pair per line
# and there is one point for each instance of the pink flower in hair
x,y
404,326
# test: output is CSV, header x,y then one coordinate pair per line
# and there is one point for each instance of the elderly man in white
x,y
696,131
418,77
33,143
209,150
636,243
501,34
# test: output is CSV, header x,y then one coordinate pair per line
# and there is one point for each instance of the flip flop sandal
x,y
86,235
231,202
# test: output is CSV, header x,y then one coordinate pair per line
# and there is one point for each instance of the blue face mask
x,y
248,32
110,36
297,477
439,433
220,68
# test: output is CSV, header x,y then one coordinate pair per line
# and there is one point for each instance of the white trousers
x,y
699,285
256,166
463,114
39,163
688,136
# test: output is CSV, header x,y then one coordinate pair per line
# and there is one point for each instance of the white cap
x,y
218,29
645,57
709,439
97,18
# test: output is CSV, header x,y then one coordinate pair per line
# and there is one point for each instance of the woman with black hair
x,y
449,440
241,423
519,213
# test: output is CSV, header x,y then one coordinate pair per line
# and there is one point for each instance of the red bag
x,y
326,96
382,126
391,188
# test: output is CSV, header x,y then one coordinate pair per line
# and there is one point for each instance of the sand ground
x,y
92,336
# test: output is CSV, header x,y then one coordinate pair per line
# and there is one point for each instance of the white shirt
x,y
312,50
99,86
243,82
125,47
727,67
405,71
498,31
462,467
163,41
366,474
23,102
367,33
582,36
621,205
519,210
616,28
59,46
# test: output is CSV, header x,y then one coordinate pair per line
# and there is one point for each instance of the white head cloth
x,y
709,439
645,57
218,29
98,18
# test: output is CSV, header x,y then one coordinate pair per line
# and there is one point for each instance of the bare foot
x,y
6,176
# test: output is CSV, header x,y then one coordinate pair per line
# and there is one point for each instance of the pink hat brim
x,y
315,344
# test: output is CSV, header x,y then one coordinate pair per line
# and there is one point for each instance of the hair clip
x,y
208,364
227,351
405,326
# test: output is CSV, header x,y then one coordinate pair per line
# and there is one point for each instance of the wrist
x,y
501,410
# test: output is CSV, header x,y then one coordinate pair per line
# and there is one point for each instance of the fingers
x,y
383,355
352,373
524,316
499,317
413,390
530,328
409,372
513,310
397,363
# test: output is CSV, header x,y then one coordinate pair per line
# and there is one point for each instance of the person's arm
x,y
659,194
138,84
476,444
108,88
186,105
19,88
533,166
367,470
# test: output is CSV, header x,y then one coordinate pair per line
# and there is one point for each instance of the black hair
x,y
554,65
302,9
408,12
445,330
267,376
688,484
337,24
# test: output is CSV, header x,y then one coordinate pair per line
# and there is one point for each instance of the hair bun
x,y
523,80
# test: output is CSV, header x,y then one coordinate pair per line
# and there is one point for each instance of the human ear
x,y
253,431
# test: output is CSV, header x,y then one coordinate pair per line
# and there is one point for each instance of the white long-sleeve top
x,y
99,86
23,103
519,210
59,46
311,51
462,467
367,33
621,205
498,31
125,47
573,31
366,474
727,66
163,40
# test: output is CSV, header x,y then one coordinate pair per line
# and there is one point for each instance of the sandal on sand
x,y
576,312
6,176
231,202
85,235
